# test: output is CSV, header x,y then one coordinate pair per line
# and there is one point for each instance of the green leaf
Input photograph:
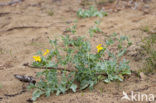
x,y
62,88
107,81
51,64
84,84
122,38
126,72
91,84
31,86
37,93
39,53
48,92
38,74
58,92
97,22
109,42
73,87
121,53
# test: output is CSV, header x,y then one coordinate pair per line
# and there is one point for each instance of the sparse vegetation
x,y
91,12
100,2
150,52
50,13
90,68
66,51
145,29
95,29
72,29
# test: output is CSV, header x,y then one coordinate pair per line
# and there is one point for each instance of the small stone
x,y
146,11
142,76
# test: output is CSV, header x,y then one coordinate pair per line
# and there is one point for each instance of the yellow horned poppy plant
x,y
37,58
99,48
46,52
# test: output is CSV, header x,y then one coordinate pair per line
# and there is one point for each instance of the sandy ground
x,y
24,28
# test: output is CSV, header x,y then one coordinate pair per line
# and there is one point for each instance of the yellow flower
x,y
99,48
46,52
37,58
